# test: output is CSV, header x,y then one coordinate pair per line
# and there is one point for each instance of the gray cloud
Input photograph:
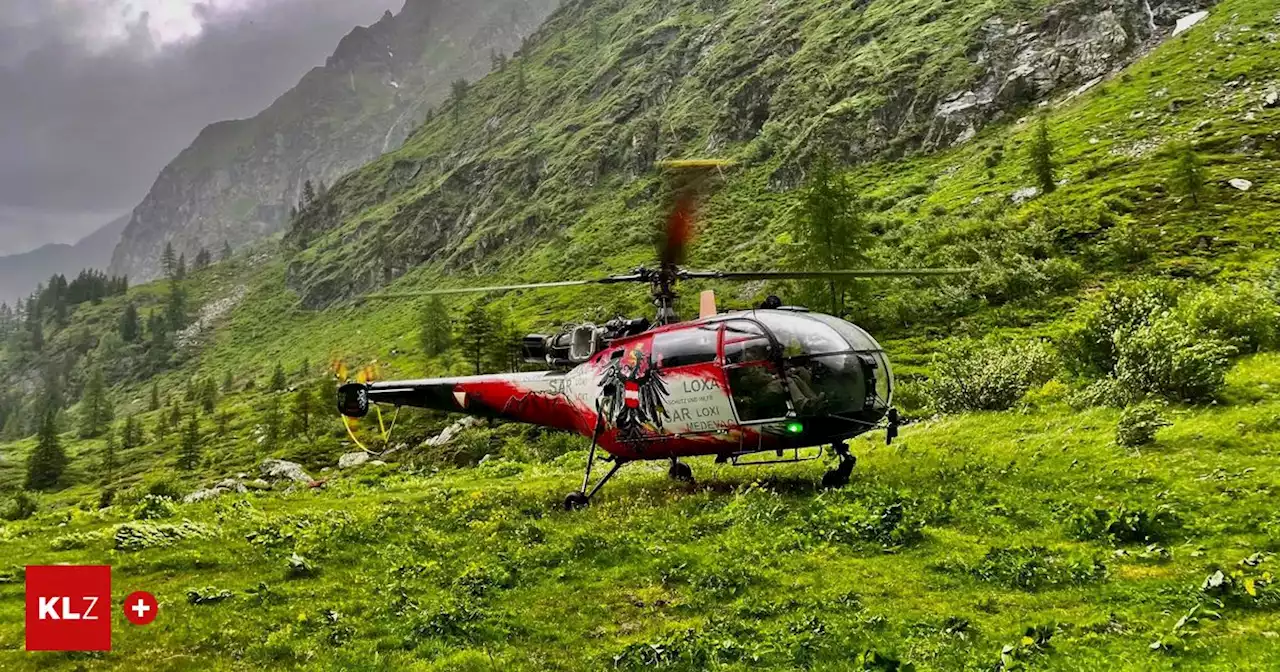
x,y
96,96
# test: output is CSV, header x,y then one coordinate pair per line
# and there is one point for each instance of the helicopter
x,y
770,381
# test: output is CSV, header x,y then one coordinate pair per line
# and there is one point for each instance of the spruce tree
x,y
154,404
829,234
209,395
476,336
169,261
271,424
1188,173
175,414
278,379
303,407
130,329
189,451
459,88
228,382
1040,151
95,406
181,273
47,462
308,195
226,250
109,457
131,434
437,328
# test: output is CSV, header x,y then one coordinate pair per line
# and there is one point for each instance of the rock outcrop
x,y
239,179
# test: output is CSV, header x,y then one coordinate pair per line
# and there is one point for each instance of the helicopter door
x,y
755,383
692,387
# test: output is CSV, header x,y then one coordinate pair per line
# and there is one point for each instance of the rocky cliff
x,y
238,180
572,128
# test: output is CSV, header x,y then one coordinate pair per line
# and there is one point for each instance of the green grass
x,y
751,568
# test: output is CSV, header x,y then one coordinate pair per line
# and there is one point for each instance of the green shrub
x,y
22,507
154,508
139,536
1090,349
1138,425
1123,525
1170,359
1245,315
987,376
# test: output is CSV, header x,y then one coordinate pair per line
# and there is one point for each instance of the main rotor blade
x,y
821,275
611,280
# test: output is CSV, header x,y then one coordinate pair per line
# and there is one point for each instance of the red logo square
x,y
69,608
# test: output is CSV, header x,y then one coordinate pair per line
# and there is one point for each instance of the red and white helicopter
x,y
771,380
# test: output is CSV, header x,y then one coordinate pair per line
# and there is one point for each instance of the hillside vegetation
x,y
1088,480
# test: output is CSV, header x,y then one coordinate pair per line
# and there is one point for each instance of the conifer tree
x,y
175,415
226,250
129,327
271,424
437,328
109,457
95,406
1040,151
154,404
278,379
228,382
189,450
181,273
209,395
303,407
829,234
459,89
47,462
169,261
131,434
1189,173
161,428
223,421
476,336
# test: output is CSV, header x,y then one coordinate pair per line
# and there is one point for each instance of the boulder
x,y
352,460
257,484
445,437
1272,99
221,488
1185,23
1240,183
283,470
1024,194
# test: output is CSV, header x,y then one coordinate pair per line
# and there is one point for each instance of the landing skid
x,y
839,477
580,499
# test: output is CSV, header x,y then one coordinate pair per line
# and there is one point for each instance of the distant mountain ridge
x,y
20,273
238,180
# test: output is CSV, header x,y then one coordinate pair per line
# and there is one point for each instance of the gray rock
x,y
283,470
1024,194
352,460
1240,183
1203,125
230,485
1272,99
445,437
221,488
258,484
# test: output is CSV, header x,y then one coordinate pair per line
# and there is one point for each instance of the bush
x,y
1123,525
1032,568
1170,359
1090,348
988,377
22,507
154,508
1244,315
1138,425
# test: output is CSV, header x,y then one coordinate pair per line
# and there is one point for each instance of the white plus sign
x,y
141,608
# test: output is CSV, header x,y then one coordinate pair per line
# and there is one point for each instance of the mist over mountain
x,y
20,273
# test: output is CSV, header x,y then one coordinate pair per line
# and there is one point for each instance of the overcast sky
x,y
96,96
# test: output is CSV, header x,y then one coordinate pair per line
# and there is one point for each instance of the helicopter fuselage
x,y
729,385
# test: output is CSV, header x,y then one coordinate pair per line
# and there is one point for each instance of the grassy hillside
x,y
982,540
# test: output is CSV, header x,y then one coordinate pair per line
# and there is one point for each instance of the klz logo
x,y
69,608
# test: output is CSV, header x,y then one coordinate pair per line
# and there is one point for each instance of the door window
x,y
755,384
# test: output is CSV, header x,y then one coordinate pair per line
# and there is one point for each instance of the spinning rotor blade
x,y
824,275
689,180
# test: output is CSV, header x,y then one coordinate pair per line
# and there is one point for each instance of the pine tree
x,y
169,261
161,428
203,259
460,88
154,404
271,424
1188,173
304,371
226,250
228,382
477,335
175,415
176,308
47,462
437,328
95,406
181,273
308,195
520,82
829,234
209,395
1040,152
130,329
278,379
189,451
131,434
223,421
303,407
109,457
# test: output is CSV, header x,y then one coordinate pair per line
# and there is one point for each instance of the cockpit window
x,y
685,347
745,341
860,340
799,335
